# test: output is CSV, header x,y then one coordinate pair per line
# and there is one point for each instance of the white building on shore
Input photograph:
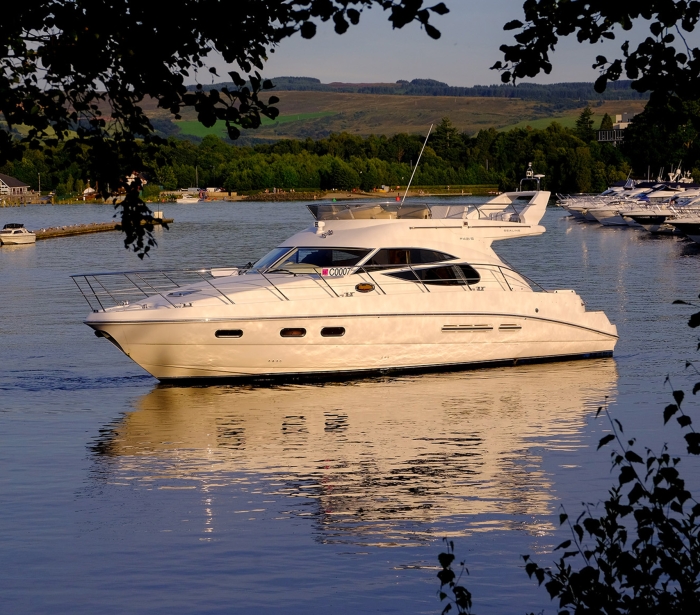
x,y
9,186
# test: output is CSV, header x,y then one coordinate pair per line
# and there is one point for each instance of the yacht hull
x,y
17,240
608,217
691,229
655,224
373,341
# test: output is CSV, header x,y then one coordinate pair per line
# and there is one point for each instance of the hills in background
x,y
553,93
311,109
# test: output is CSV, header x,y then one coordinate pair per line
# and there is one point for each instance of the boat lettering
x,y
336,272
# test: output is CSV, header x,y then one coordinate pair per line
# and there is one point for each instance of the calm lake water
x,y
122,496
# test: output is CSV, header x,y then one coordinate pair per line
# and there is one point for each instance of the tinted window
x,y
321,257
271,258
332,331
388,257
449,275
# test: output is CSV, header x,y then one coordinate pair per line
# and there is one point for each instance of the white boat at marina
x,y
610,208
654,216
14,234
688,226
367,288
604,206
188,198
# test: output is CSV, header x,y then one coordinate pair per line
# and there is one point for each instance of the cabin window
x,y
304,260
392,257
226,333
332,331
448,275
293,332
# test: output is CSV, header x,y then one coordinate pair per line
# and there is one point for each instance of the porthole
x,y
332,331
225,333
293,332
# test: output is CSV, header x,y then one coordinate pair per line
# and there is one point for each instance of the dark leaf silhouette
x,y
80,74
669,411
605,440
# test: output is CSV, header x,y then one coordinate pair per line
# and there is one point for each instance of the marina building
x,y
9,186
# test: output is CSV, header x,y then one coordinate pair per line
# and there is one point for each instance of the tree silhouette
x,y
81,72
663,62
584,125
606,123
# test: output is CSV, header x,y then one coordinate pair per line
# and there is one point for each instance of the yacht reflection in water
x,y
385,461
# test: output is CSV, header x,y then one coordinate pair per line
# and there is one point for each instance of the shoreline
x,y
343,195
307,195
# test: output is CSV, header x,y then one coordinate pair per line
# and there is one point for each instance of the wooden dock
x,y
84,229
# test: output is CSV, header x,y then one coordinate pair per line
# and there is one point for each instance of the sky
x,y
471,34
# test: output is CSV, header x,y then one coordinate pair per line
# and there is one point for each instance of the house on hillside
x,y
9,186
623,121
616,135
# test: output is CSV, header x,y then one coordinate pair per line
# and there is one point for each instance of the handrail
x,y
274,286
95,286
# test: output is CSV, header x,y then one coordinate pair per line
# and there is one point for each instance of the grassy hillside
x,y
568,120
317,114
194,128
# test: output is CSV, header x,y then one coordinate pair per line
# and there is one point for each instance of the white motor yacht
x,y
610,208
654,216
188,199
15,234
688,226
367,288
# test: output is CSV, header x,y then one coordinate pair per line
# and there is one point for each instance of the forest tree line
x,y
570,158
556,93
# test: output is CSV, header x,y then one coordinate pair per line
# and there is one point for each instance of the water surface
x,y
121,495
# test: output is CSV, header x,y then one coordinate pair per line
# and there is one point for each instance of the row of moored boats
x,y
668,207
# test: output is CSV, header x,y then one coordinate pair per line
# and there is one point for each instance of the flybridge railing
x,y
103,291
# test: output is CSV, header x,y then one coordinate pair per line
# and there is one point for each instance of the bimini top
x,y
12,225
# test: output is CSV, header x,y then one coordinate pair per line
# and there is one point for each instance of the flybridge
x,y
520,207
371,211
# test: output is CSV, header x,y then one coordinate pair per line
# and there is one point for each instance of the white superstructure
x,y
369,287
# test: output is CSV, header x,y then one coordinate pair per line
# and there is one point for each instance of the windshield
x,y
270,258
311,259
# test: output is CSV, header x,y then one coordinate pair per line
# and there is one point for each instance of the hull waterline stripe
x,y
362,373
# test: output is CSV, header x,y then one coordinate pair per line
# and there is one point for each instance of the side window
x,y
332,257
391,257
428,256
448,275
308,260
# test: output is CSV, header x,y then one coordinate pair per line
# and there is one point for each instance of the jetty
x,y
84,229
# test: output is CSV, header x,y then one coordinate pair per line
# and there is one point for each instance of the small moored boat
x,y
15,234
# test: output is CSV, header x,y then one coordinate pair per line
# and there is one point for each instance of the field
x,y
317,114
194,128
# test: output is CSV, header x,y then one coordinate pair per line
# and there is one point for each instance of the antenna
x,y
417,163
